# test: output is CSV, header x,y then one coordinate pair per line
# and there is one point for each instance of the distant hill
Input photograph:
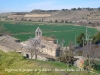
x,y
73,15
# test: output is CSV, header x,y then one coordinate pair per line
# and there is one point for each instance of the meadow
x,y
25,30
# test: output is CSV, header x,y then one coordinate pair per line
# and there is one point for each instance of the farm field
x,y
62,31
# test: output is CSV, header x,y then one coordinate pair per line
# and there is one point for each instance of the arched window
x,y
37,33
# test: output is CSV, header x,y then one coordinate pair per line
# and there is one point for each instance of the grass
x,y
14,63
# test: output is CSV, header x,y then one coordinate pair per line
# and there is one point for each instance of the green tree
x,y
79,8
62,21
99,8
80,40
3,31
56,21
66,21
73,9
96,38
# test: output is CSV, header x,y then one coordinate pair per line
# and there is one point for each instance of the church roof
x,y
47,38
38,30
8,37
9,42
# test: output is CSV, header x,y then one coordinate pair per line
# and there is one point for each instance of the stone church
x,y
41,47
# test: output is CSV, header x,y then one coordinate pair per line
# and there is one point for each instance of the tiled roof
x,y
9,42
47,38
8,37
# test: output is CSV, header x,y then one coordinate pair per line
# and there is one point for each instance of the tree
x,y
92,52
63,9
56,21
73,9
80,39
66,21
62,21
32,48
99,8
96,38
68,55
3,31
79,8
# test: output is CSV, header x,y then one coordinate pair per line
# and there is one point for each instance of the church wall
x,y
49,52
39,57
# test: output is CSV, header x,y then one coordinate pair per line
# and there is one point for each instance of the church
x,y
41,47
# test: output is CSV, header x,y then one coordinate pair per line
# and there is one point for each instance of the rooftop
x,y
47,38
38,30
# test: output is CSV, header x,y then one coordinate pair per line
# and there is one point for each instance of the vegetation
x,y
18,63
68,55
13,63
80,39
96,38
3,30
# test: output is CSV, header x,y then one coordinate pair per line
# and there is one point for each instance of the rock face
x,y
41,47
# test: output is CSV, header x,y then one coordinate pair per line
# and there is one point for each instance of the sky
x,y
28,5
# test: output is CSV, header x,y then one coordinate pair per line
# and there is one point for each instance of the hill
x,y
14,63
87,15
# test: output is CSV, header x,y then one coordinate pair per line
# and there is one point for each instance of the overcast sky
x,y
28,5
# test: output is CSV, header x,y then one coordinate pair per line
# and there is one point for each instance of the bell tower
x,y
38,32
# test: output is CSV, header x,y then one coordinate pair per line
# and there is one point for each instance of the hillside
x,y
14,63
73,15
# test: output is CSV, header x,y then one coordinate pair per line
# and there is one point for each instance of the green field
x,y
62,31
25,30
